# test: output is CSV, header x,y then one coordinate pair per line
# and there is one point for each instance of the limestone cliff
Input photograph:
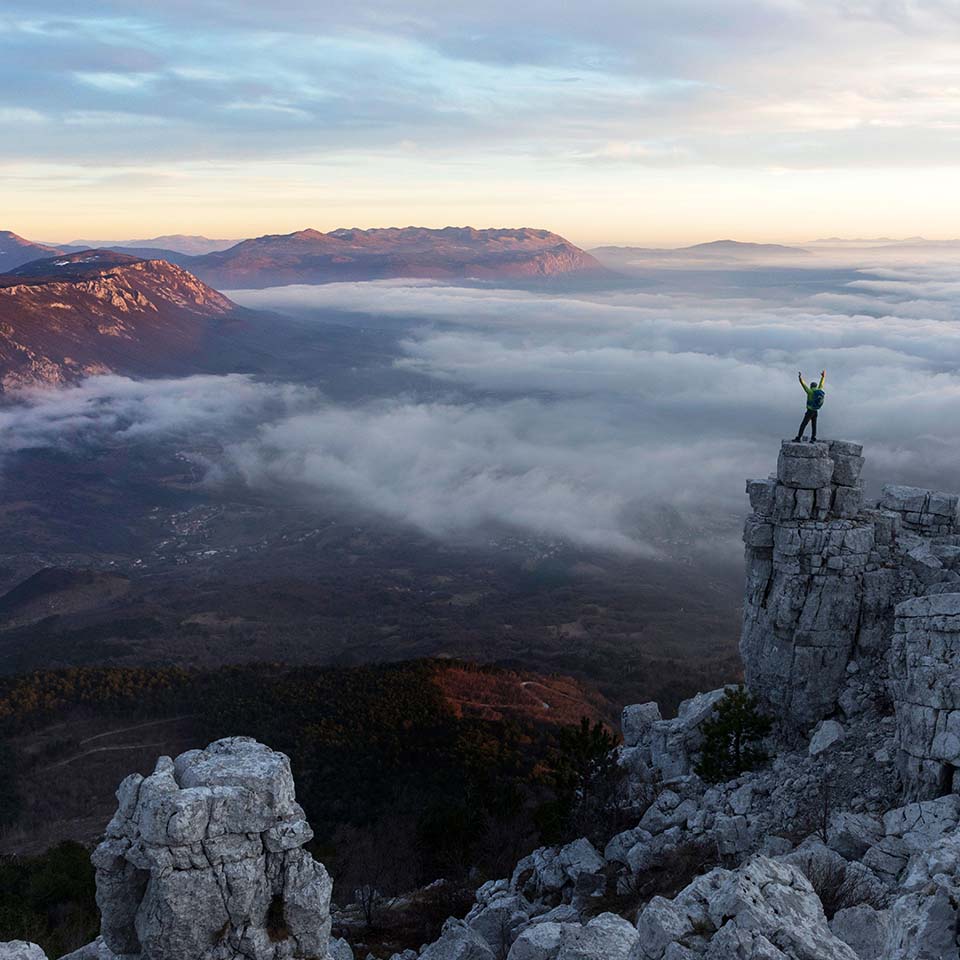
x,y
824,573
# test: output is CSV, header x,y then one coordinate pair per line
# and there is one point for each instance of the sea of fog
x,y
578,416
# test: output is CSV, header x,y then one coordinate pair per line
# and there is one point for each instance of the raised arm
x,y
802,384
823,374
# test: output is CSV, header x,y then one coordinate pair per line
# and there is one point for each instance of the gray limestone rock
x,y
637,720
845,448
21,950
805,473
847,462
852,834
557,872
95,950
925,511
923,925
827,734
538,942
823,579
204,856
925,684
764,905
606,936
762,493
499,919
339,949
458,942
863,928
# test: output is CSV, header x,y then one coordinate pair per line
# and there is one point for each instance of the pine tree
x,y
733,737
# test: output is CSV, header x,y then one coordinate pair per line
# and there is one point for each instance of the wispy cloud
x,y
538,93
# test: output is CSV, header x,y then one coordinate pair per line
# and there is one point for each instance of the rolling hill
x,y
714,252
15,251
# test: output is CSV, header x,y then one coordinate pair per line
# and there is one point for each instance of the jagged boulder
x,y
458,942
21,950
763,909
203,859
556,873
606,936
827,733
636,721
97,950
666,750
852,834
498,916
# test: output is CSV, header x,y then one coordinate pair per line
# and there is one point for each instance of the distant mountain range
x,y
453,253
309,256
66,313
191,245
15,251
72,315
716,250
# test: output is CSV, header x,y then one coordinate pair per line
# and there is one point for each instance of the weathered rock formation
x,y
204,859
925,684
825,572
21,950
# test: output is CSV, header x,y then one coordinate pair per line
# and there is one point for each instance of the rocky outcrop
x,y
925,684
204,859
21,950
763,909
824,574
663,750
97,312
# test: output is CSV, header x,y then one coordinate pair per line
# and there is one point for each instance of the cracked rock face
x,y
824,575
203,860
925,683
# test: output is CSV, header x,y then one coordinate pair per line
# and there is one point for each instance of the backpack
x,y
817,398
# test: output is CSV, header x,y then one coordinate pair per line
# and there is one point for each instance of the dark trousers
x,y
809,417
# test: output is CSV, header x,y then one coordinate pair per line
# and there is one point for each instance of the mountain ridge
x,y
350,253
73,315
15,250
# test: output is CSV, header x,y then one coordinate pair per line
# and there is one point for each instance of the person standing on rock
x,y
815,398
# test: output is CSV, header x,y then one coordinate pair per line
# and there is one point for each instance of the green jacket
x,y
808,389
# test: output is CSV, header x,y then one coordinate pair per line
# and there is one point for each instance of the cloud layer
x,y
590,416
624,421
113,409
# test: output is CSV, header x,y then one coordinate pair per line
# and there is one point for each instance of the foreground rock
x,y
203,859
21,950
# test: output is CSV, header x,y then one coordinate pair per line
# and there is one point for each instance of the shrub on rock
x,y
733,737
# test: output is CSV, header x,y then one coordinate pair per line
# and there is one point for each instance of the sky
x,y
663,122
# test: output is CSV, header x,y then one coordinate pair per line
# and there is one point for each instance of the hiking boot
x,y
813,439
797,439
